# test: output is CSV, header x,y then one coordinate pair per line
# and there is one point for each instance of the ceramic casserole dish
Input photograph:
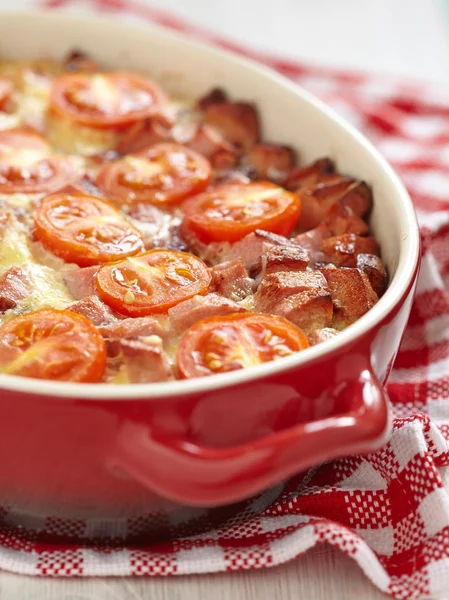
x,y
122,451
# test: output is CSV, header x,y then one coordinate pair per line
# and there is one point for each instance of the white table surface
x,y
402,37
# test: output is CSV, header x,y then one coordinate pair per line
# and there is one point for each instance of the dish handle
x,y
191,474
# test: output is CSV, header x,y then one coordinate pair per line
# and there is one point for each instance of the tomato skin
x,y
128,87
122,183
152,282
26,166
52,344
85,230
222,344
229,212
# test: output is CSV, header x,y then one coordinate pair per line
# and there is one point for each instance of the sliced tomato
x,y
85,230
152,282
223,344
161,174
230,211
52,344
105,99
6,89
26,166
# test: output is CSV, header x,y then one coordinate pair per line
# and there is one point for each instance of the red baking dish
x,y
90,451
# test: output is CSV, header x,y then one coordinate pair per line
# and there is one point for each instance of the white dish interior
x,y
289,115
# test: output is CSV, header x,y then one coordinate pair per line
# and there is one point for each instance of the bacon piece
x,y
342,250
15,285
78,61
236,122
142,134
133,327
311,241
80,282
207,141
340,219
351,293
225,160
284,258
253,246
92,308
270,161
277,286
141,360
358,198
187,313
321,335
375,270
230,279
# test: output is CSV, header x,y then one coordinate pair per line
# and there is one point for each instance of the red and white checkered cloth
x,y
388,511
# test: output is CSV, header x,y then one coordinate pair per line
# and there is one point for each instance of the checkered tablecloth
x,y
388,511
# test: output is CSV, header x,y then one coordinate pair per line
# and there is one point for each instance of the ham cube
x,y
92,308
308,310
141,360
284,258
321,335
342,250
308,176
253,246
133,327
317,200
187,313
352,295
230,279
215,96
236,122
80,282
277,286
15,285
270,161
340,219
374,269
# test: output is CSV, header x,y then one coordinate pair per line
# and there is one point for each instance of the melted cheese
x,y
48,289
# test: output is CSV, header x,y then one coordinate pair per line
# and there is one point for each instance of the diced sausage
x,y
236,122
270,161
80,282
375,270
187,313
284,258
277,286
230,279
133,327
253,246
15,285
215,96
141,360
317,200
92,308
351,293
340,219
308,310
308,176
142,134
342,250
78,61
321,335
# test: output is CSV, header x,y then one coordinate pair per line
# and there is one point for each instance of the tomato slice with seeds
x,y
85,230
161,174
152,282
236,341
230,211
105,100
52,344
6,89
26,166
